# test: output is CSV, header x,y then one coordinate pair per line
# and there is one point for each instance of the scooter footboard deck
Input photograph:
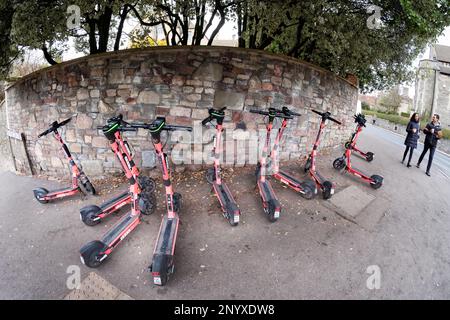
x,y
360,173
224,194
113,201
268,191
119,229
167,236
54,192
289,178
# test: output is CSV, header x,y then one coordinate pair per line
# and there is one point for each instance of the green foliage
x,y
405,114
390,101
389,117
365,105
335,34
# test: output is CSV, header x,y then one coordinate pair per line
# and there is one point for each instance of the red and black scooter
x,y
324,185
349,144
229,206
344,162
162,265
307,189
80,181
95,252
93,214
271,204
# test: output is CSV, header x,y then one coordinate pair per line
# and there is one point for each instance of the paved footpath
x,y
317,250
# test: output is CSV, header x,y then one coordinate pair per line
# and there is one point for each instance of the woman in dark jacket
x,y
413,129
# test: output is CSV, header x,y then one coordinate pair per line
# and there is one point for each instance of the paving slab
x,y
94,287
352,201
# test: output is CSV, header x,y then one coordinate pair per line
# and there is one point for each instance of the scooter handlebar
x,y
55,125
176,128
277,114
326,115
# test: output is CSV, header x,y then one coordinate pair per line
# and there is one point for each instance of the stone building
x,y
432,90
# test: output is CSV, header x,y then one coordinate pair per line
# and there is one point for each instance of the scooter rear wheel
x,y
327,189
90,253
369,156
232,212
39,193
339,163
378,181
309,188
273,215
161,269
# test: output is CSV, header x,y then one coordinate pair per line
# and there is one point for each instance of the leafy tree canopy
x,y
375,40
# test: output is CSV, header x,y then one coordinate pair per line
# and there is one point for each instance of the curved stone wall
x,y
180,83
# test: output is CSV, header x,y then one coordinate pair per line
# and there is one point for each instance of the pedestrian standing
x,y
413,129
433,133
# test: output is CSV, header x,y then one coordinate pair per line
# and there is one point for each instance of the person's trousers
x,y
432,149
411,150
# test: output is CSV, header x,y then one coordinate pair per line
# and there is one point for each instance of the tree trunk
x,y
48,56
123,16
104,23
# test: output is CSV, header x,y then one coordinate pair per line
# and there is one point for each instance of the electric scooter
x,y
229,206
366,155
80,181
93,214
271,204
95,252
324,185
306,189
344,162
162,265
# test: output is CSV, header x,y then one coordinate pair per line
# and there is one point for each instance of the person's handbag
x,y
440,134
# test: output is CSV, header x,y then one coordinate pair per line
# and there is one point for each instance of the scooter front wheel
x,y
88,188
210,175
90,216
369,156
307,164
39,194
377,181
339,163
309,189
327,190
91,254
147,184
147,203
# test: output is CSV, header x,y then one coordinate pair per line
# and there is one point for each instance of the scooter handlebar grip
x,y
44,133
206,120
334,120
128,129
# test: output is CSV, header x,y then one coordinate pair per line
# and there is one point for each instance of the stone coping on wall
x,y
178,48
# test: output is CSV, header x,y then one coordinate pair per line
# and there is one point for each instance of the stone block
x,y
148,159
92,167
99,142
148,97
209,71
229,99
180,112
84,121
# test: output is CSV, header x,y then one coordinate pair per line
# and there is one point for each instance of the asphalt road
x,y
311,252
441,161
